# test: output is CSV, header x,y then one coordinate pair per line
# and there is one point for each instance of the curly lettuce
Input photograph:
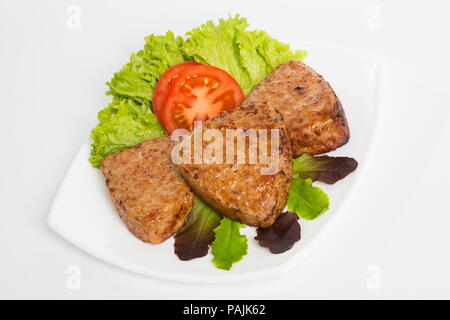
x,y
124,123
129,119
138,78
249,56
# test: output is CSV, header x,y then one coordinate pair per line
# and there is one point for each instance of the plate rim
x,y
271,272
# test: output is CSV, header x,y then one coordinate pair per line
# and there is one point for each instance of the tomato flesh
x,y
199,93
163,85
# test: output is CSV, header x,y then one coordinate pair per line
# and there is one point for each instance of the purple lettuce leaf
x,y
193,240
323,168
282,235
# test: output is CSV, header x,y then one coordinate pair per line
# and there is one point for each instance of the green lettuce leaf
x,y
138,78
128,119
193,240
307,201
124,123
323,168
229,245
249,56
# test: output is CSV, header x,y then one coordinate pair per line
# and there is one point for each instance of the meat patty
x,y
313,115
244,190
149,193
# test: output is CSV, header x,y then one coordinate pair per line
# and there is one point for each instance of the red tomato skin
x,y
162,87
200,70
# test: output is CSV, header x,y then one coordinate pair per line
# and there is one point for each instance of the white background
x,y
395,227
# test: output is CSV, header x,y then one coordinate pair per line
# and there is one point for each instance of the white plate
x,y
83,213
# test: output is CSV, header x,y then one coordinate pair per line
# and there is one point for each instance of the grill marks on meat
x,y
313,115
240,191
149,193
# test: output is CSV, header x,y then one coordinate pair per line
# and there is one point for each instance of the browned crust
x,y
147,190
314,116
239,191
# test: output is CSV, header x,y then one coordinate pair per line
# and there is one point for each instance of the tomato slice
x,y
162,87
199,92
